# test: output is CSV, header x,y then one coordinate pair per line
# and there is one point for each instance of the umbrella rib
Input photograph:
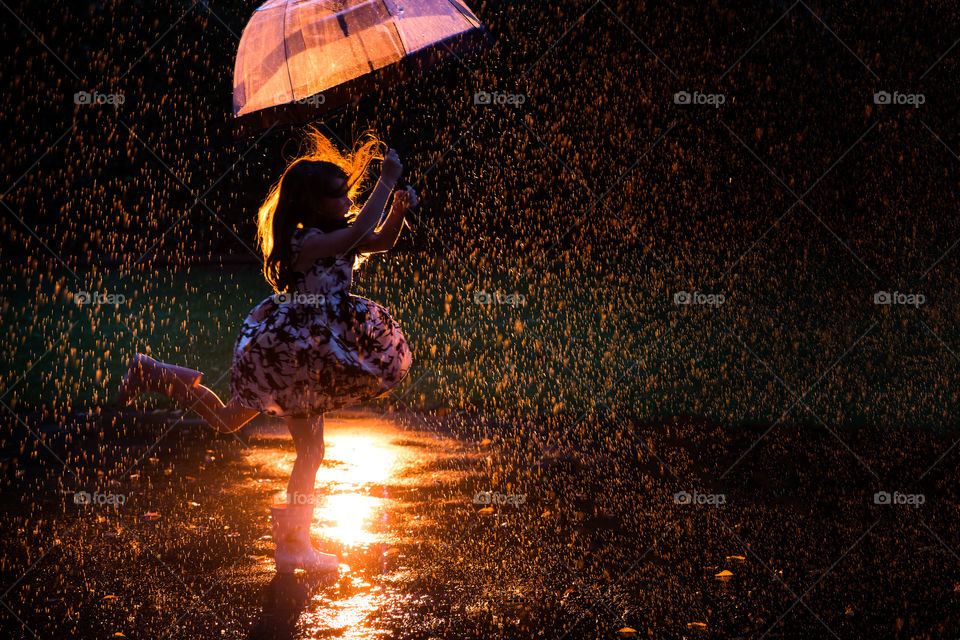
x,y
286,50
471,19
403,45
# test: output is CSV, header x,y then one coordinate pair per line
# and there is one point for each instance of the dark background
x,y
598,198
597,98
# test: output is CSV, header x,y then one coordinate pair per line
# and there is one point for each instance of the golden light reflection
x,y
346,518
361,460
345,617
357,518
346,509
358,459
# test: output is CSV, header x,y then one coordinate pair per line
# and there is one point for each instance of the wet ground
x,y
463,528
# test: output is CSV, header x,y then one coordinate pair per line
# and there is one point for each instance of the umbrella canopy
x,y
300,58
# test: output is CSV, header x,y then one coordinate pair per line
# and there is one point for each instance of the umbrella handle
x,y
406,222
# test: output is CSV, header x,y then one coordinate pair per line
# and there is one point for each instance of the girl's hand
x,y
391,168
406,199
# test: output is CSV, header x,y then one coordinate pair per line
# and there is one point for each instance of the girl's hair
x,y
291,202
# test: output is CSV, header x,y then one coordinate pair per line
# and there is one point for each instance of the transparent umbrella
x,y
299,59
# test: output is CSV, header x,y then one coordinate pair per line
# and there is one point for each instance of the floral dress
x,y
318,347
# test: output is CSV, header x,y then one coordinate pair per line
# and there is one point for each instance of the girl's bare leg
x,y
292,522
224,418
307,436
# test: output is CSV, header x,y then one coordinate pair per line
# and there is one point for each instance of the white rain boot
x,y
291,534
133,384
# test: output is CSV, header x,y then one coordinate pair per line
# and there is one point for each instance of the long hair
x,y
291,202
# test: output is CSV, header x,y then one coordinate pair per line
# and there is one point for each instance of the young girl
x,y
313,346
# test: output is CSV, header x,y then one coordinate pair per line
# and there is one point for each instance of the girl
x,y
313,346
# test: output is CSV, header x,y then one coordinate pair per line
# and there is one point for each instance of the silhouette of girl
x,y
313,346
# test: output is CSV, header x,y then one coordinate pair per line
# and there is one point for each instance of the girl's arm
x,y
386,236
343,240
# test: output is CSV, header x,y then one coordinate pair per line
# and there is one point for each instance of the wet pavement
x,y
457,528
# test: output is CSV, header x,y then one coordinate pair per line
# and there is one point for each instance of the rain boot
x,y
134,383
291,534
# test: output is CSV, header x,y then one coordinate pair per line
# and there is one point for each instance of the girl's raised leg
x,y
225,418
183,386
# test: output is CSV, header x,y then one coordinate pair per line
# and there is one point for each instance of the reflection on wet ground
x,y
479,529
367,513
